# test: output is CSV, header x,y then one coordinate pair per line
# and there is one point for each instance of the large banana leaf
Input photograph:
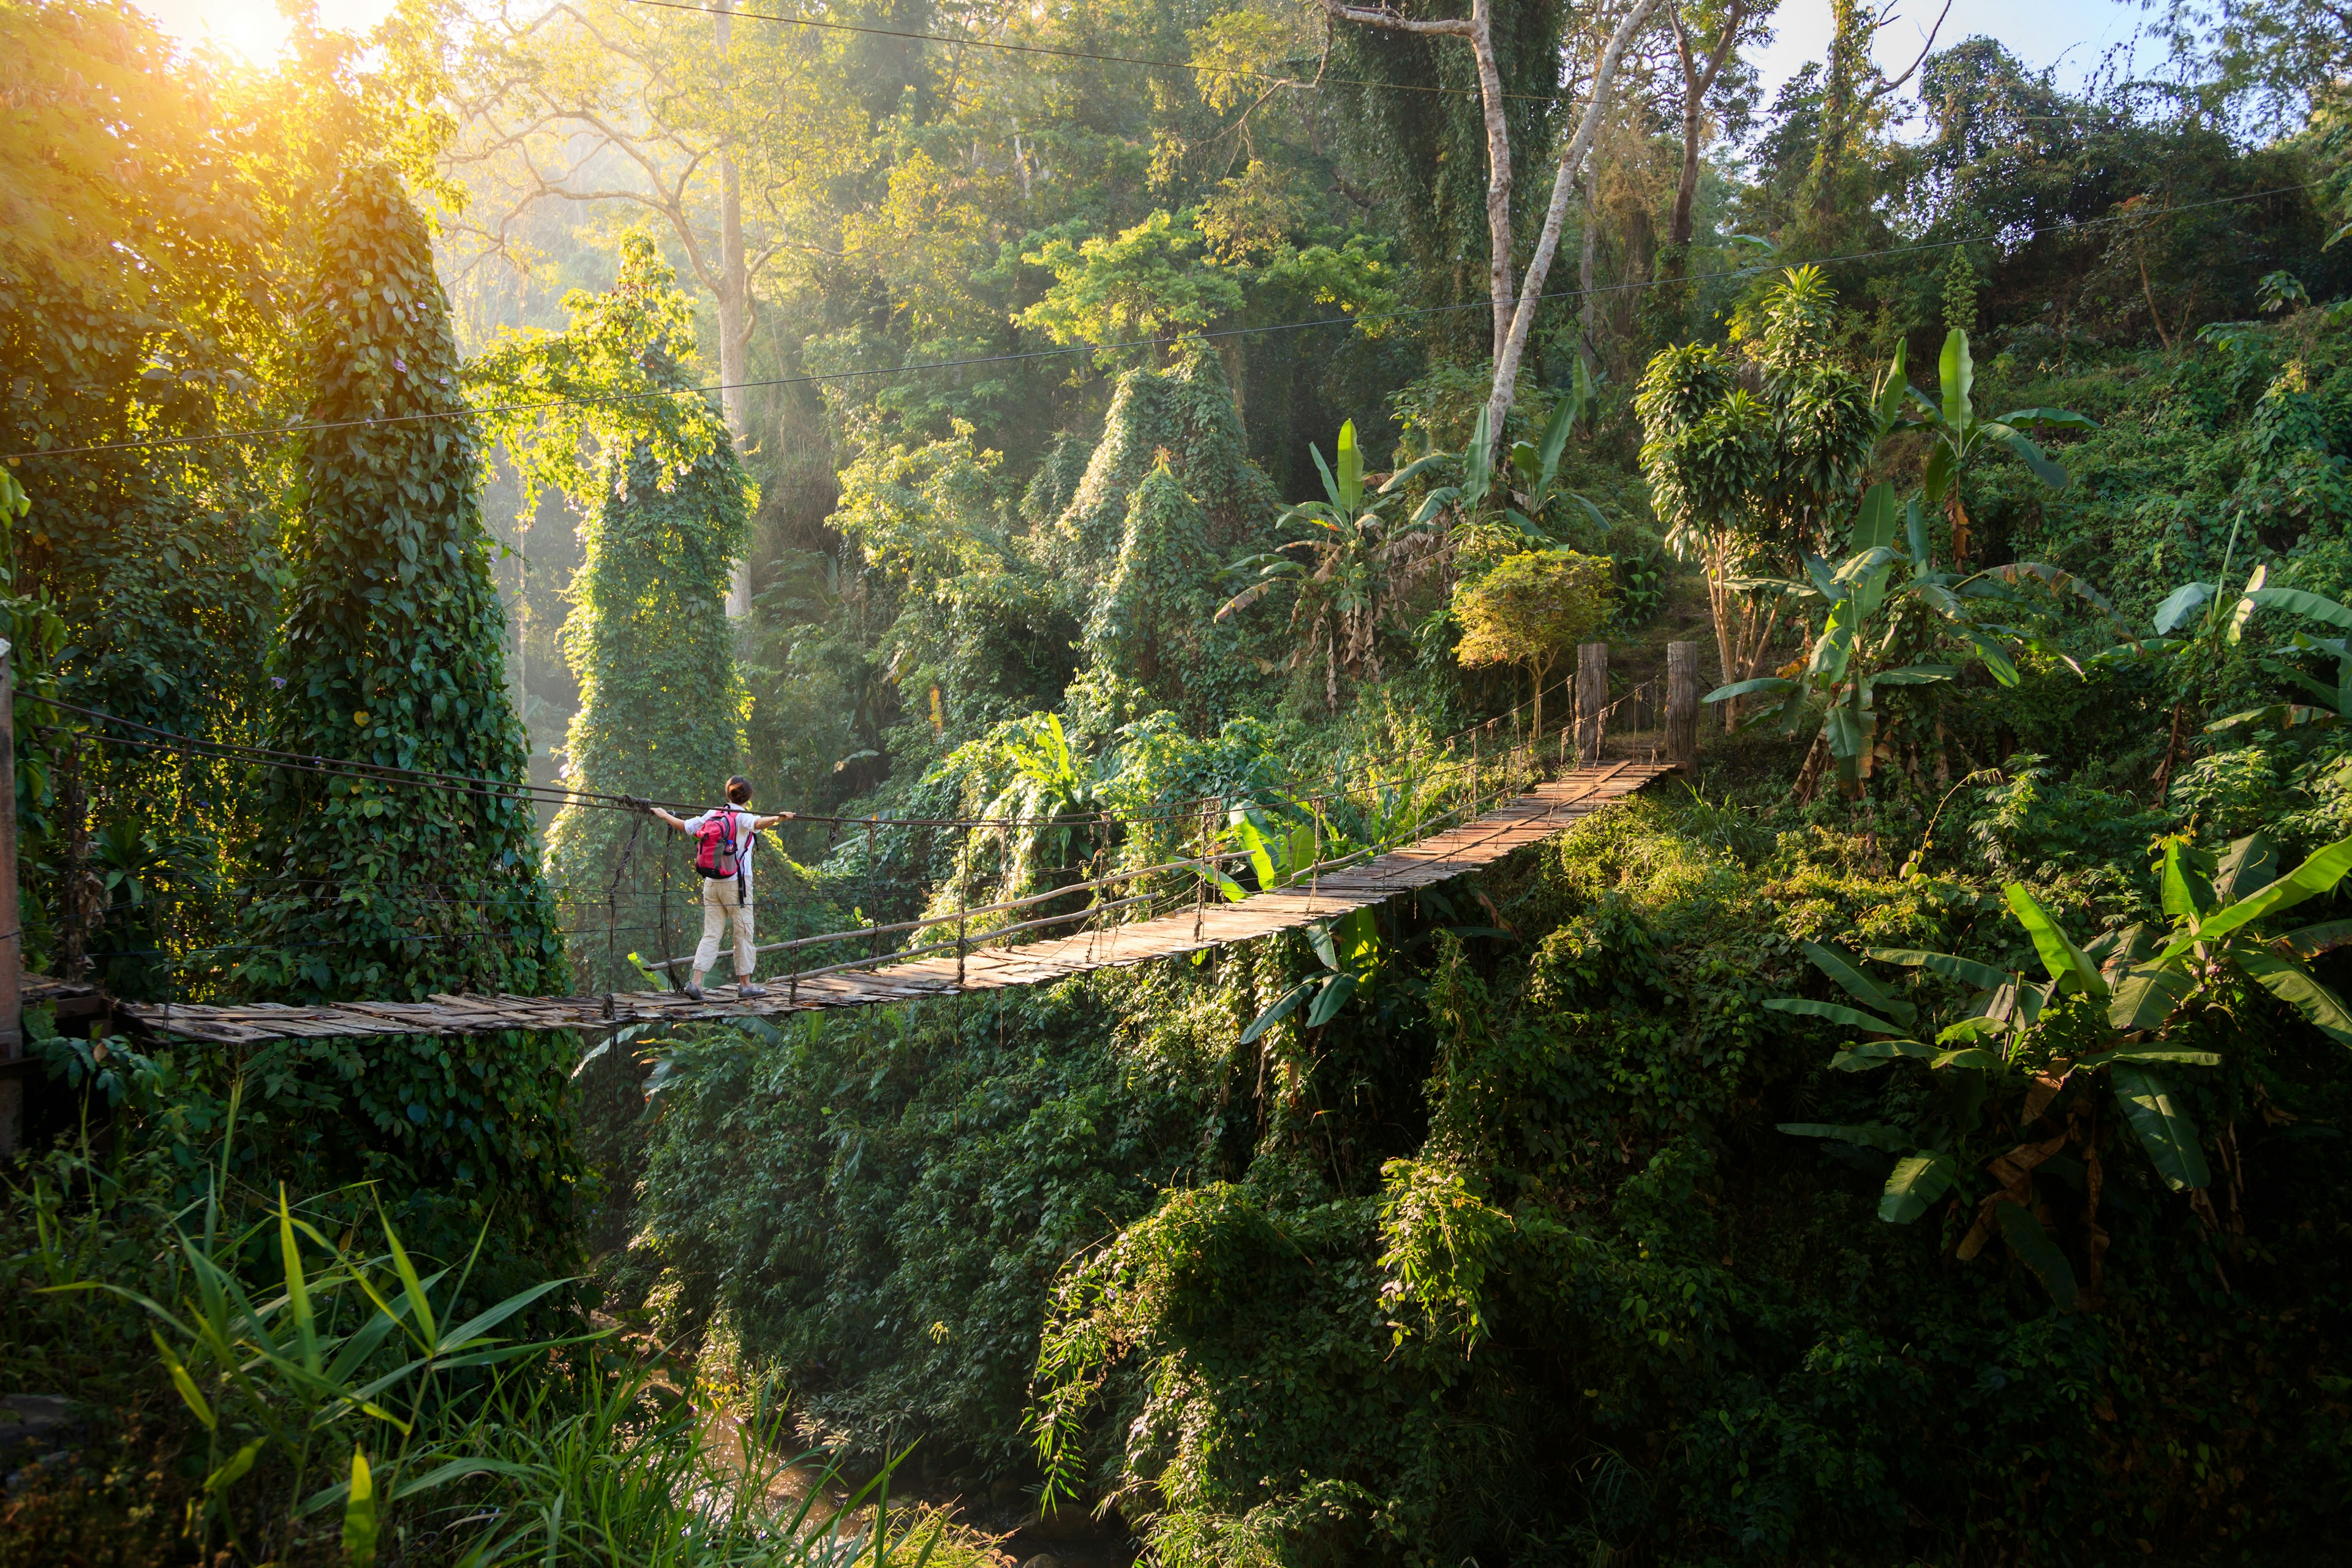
x,y
2049,418
1915,1184
1834,1012
1774,684
2188,880
1283,1007
2314,940
2068,964
2181,605
2164,1130
2249,863
2318,874
2147,995
1858,985
2296,601
2051,474
2142,1055
2039,1252
1874,523
1952,965
2290,982
1872,1054
1334,995
1868,1134
1957,373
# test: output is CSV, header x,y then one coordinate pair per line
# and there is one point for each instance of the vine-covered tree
x,y
392,653
608,415
1154,614
1185,415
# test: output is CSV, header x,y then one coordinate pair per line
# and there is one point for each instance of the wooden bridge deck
x,y
1547,809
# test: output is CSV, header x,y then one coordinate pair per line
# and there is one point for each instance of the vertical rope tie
x,y
1315,871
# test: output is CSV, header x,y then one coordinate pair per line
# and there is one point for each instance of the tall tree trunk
x,y
1572,162
1498,172
1678,226
734,293
1479,30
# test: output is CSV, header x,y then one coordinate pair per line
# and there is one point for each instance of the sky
x,y
2069,34
253,28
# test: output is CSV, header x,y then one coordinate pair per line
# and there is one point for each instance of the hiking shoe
x,y
691,992
748,989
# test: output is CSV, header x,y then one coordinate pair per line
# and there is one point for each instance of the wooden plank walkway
x,y
1547,809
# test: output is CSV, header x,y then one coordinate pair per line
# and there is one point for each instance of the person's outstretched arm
x,y
759,822
676,822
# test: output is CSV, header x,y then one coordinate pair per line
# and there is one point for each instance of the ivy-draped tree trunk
x,y
662,704
392,653
605,413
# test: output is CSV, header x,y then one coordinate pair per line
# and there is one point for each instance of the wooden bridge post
x,y
12,934
1591,697
1682,704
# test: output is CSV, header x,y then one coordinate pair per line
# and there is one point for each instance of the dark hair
x,y
739,790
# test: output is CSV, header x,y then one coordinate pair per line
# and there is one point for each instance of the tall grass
x,y
353,1410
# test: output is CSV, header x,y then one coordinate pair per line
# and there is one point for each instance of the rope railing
x,y
1202,865
1487,776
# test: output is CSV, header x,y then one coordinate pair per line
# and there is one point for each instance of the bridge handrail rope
x,y
1519,760
1202,865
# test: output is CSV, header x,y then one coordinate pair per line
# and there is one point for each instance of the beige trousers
x,y
722,908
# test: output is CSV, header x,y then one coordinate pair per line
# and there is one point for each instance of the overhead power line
x,y
1164,341
1320,80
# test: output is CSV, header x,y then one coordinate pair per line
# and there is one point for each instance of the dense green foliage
x,y
1943,1167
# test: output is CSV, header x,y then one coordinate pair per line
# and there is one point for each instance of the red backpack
x,y
719,857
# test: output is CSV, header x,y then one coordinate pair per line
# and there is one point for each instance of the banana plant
x,y
1055,790
1279,850
1350,948
2115,1012
1958,436
1889,600
1347,572
1355,960
1533,465
2197,620
2331,705
1878,608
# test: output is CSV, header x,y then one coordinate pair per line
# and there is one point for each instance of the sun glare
x,y
253,29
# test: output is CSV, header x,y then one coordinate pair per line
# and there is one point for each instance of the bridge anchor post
x,y
1682,704
13,1065
1592,698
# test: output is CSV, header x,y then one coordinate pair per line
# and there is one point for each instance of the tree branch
x,y
1883,88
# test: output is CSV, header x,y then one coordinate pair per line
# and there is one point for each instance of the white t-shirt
x,y
745,839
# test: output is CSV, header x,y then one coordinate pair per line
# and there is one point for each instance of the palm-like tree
x,y
1348,569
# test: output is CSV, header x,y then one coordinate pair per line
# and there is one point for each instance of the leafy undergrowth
x,y
1510,1259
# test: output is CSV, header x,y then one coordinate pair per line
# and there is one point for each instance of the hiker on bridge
x,y
723,842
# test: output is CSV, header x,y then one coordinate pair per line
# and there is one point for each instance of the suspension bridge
x,y
1490,822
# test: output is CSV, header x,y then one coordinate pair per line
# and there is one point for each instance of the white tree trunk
x,y
734,293
1572,162
1498,171
1479,30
